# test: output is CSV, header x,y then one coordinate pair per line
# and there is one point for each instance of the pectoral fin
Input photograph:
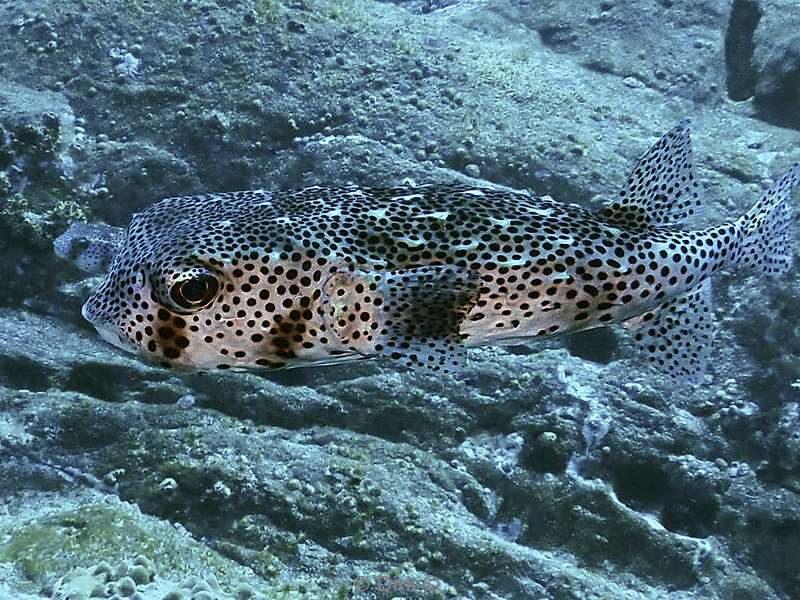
x,y
424,308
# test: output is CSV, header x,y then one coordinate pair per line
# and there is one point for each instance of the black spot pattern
x,y
424,310
324,275
676,338
91,247
766,228
663,188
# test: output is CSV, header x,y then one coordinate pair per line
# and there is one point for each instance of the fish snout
x,y
104,325
92,311
86,310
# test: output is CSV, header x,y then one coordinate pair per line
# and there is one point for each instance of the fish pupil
x,y
194,292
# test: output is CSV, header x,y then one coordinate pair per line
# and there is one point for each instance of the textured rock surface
x,y
542,475
778,63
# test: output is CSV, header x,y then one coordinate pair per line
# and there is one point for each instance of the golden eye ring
x,y
195,292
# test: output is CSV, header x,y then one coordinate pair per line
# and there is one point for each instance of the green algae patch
x,y
91,534
112,546
56,543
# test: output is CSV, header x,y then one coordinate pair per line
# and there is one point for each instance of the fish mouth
x,y
112,337
108,334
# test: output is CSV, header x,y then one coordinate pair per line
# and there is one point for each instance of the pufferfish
x,y
417,275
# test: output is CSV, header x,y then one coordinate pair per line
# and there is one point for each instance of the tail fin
x,y
766,228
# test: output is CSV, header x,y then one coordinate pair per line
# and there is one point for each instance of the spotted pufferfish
x,y
417,275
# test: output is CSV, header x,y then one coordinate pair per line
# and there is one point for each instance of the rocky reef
x,y
561,471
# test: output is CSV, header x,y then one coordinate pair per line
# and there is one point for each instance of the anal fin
x,y
676,337
424,308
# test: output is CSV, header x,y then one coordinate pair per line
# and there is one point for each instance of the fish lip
x,y
112,337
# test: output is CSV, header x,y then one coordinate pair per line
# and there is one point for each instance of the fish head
x,y
203,283
91,247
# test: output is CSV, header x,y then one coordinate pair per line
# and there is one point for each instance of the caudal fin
x,y
766,229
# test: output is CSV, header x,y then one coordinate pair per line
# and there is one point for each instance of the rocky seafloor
x,y
561,471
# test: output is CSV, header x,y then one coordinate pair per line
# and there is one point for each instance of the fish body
x,y
324,275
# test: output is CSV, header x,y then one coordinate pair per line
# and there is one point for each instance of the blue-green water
x,y
559,469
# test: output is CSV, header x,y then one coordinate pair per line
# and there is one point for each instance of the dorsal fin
x,y
662,189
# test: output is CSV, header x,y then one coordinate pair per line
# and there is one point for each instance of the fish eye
x,y
195,292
